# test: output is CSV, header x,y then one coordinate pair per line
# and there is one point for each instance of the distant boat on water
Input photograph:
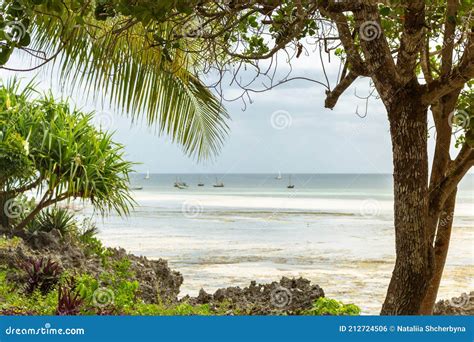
x,y
218,184
290,185
200,183
279,176
179,184
147,175
137,188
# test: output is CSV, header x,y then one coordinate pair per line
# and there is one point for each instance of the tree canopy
x,y
47,147
118,58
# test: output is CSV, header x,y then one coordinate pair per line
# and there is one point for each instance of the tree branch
x,y
411,41
347,40
425,60
459,167
378,57
22,188
46,201
333,96
448,37
457,78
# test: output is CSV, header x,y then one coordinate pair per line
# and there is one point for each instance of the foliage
x,y
69,300
67,156
13,16
41,274
14,301
6,243
327,306
54,218
86,235
463,118
127,64
114,289
116,293
182,309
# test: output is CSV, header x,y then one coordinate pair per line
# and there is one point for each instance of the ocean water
x,y
336,230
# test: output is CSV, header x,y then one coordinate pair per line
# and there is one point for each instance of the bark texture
x,y
414,257
441,248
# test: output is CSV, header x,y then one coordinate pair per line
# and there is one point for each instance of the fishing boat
x,y
290,185
218,184
179,184
200,183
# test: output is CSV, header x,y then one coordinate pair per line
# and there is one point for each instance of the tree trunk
x,y
443,236
414,257
440,215
5,220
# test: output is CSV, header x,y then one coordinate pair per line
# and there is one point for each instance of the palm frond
x,y
138,76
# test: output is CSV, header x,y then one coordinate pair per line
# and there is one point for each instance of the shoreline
x,y
296,294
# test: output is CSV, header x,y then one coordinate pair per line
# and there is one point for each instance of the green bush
x,y
14,301
86,235
54,218
115,290
327,306
9,243
41,274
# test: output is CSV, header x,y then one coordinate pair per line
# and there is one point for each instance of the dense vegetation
x,y
50,149
38,287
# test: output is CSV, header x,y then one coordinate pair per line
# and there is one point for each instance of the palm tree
x,y
122,58
49,148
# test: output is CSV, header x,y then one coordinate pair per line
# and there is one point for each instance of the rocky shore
x,y
158,283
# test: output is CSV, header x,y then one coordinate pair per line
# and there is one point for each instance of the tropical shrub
x,y
114,290
54,218
41,274
86,235
13,299
327,306
60,155
69,300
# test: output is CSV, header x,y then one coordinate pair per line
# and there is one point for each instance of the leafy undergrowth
x,y
327,306
9,243
40,287
84,296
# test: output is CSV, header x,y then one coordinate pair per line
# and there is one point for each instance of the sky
x,y
285,129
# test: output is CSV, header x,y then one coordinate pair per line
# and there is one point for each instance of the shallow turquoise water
x,y
336,230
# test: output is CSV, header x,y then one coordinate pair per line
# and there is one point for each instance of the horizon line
x,y
263,173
